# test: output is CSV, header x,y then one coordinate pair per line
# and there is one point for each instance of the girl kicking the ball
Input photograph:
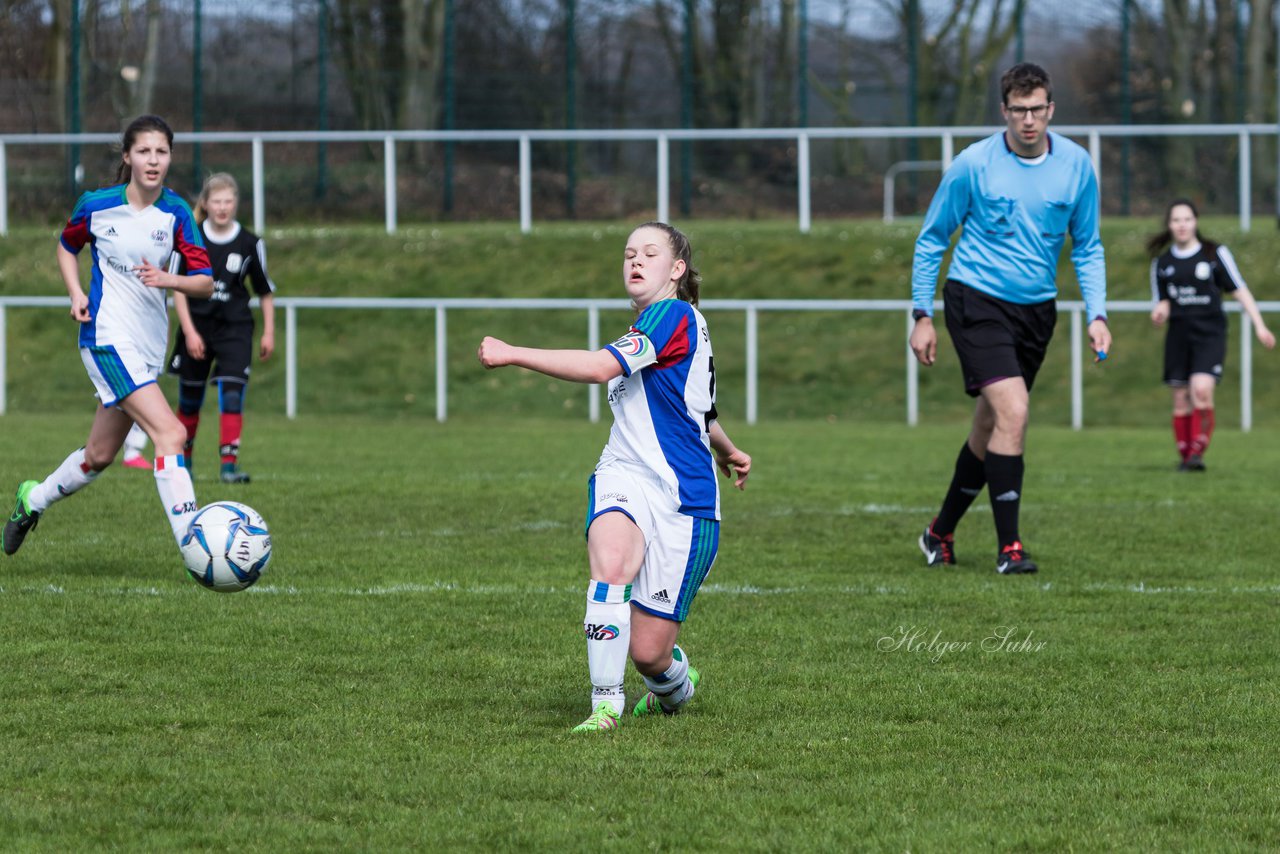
x,y
653,503
136,228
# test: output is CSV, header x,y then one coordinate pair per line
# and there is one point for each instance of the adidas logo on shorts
x,y
661,596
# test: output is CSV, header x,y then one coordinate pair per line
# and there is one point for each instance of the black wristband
x,y
917,314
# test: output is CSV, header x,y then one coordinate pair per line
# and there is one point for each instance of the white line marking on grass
x,y
1140,588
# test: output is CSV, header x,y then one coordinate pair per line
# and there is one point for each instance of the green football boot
x,y
649,704
21,520
603,717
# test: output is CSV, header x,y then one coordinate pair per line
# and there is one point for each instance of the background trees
x,y
370,64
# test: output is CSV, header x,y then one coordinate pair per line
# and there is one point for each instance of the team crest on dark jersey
x,y
234,262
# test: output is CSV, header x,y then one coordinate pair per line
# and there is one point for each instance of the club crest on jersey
x,y
1202,271
234,261
632,344
160,236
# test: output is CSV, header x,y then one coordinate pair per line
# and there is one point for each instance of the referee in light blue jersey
x,y
1017,195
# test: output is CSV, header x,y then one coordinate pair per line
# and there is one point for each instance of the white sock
x,y
178,496
672,687
134,442
608,631
72,476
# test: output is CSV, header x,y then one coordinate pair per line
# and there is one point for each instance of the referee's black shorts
x,y
1195,345
996,339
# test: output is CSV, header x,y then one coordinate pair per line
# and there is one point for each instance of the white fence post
x,y
664,179
4,192
442,366
4,367
948,150
1077,373
526,186
1246,182
1246,373
593,344
389,181
291,361
913,378
1095,154
753,365
802,168
259,188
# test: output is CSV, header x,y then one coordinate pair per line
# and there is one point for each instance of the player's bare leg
x,y
148,407
615,551
663,664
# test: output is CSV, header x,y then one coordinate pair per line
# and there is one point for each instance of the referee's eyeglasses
x,y
1036,112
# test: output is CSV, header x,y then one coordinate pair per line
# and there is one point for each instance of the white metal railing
x,y
751,308
662,139
891,177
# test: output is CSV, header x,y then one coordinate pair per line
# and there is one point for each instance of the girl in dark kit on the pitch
x,y
1188,279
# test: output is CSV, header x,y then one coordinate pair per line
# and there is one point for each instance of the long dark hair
x,y
1160,241
689,284
140,125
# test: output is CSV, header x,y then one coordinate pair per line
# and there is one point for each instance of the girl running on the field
x,y
135,228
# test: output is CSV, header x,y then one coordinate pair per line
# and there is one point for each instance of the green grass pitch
x,y
405,675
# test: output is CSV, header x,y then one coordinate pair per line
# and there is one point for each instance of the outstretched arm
x,y
579,366
729,458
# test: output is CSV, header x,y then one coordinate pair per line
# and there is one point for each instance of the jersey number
x,y
711,415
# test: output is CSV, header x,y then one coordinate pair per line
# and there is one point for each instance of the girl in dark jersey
x,y
216,334
1187,282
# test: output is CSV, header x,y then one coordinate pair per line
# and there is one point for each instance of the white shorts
x,y
678,549
117,371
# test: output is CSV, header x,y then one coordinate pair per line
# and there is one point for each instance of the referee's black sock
x,y
1004,484
969,478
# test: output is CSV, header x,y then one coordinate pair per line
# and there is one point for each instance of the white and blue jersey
x,y
123,311
663,404
1016,214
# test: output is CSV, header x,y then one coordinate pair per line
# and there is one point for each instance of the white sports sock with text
x,y
72,476
608,631
672,688
178,496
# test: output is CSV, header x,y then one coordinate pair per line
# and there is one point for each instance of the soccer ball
x,y
226,546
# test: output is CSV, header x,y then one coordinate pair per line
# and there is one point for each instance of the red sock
x,y
191,422
231,424
1182,434
1201,430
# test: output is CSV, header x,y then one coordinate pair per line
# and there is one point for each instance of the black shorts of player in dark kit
x,y
228,351
995,339
1195,345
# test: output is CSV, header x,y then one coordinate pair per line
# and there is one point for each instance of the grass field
x,y
406,674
